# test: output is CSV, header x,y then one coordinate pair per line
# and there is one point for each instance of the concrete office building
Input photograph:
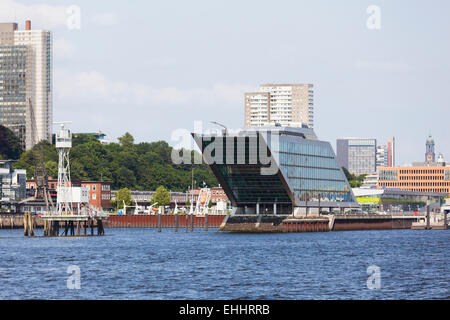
x,y
417,178
386,154
285,104
357,155
382,156
26,82
428,176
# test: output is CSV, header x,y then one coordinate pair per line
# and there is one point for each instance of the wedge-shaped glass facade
x,y
276,169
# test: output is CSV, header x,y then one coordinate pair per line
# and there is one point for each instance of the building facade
x,y
382,156
217,195
417,178
99,192
395,201
26,82
386,154
285,104
12,184
299,174
357,155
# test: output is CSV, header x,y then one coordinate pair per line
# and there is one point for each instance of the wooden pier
x,y
73,225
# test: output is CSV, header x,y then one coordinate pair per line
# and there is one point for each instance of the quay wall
x,y
372,223
167,221
272,223
243,224
15,221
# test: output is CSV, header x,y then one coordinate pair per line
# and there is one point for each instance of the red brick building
x,y
99,192
217,194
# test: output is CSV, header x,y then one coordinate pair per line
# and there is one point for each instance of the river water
x,y
145,264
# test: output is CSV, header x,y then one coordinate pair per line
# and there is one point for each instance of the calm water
x,y
145,264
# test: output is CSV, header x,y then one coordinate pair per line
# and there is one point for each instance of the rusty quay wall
x,y
167,221
371,223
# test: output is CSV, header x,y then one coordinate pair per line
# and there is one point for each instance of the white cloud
x,y
93,85
382,66
46,16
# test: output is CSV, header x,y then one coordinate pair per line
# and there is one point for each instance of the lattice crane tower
x,y
64,188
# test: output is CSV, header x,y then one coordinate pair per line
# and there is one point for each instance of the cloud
x,y
48,16
94,86
44,15
382,66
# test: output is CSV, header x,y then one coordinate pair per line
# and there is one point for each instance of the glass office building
x,y
13,89
276,170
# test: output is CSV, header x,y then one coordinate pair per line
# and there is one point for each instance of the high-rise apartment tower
x,y
285,104
26,82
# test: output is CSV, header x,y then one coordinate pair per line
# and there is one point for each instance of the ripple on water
x,y
145,264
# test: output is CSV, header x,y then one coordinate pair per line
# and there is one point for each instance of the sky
x,y
154,67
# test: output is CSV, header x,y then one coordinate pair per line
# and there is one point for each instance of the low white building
x,y
12,183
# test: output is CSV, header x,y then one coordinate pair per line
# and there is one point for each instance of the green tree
x,y
9,144
353,180
143,166
210,204
162,196
122,195
127,140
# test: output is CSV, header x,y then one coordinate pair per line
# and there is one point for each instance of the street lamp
x,y
221,125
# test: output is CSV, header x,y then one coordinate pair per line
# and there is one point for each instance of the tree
x,y
142,166
162,196
210,204
127,140
122,195
353,180
9,144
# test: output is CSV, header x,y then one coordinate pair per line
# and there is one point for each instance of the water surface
x,y
145,264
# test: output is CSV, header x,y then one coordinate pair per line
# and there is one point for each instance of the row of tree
x,y
141,166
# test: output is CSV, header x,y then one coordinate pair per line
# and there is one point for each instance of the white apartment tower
x,y
26,82
286,104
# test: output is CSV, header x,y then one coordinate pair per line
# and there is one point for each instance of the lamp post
x,y
221,125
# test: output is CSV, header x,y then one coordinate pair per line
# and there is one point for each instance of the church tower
x,y
430,155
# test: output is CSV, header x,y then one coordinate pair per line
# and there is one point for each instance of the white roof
x,y
359,192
